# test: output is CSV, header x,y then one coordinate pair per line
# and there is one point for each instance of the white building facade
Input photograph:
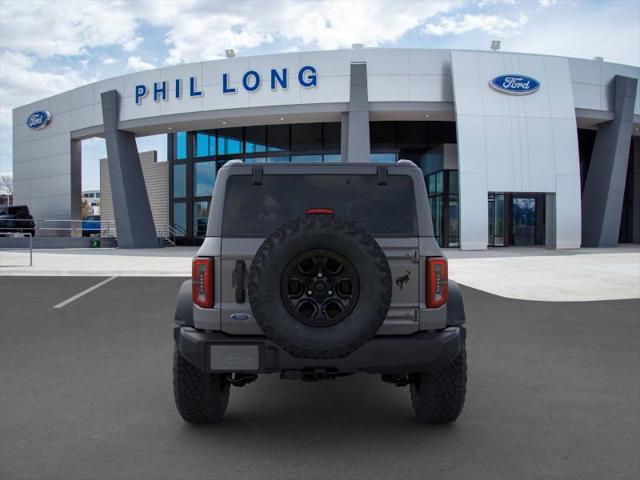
x,y
516,149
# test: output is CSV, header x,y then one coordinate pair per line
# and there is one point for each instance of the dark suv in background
x,y
17,219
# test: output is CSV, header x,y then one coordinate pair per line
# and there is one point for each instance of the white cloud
x,y
547,3
491,24
135,64
583,34
203,30
108,61
22,83
46,29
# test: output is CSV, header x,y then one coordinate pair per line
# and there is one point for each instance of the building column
x,y
635,205
357,142
604,187
131,209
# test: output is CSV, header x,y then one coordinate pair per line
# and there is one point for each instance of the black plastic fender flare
x,y
184,305
455,306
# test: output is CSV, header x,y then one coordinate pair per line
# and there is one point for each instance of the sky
x,y
47,47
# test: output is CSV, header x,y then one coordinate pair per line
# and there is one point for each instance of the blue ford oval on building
x,y
515,84
38,119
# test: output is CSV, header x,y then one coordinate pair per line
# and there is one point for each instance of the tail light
x,y
202,282
437,282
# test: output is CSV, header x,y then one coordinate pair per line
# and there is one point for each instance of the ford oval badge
x,y
515,84
38,120
240,317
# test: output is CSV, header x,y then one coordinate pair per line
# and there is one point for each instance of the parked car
x,y
317,272
91,225
17,219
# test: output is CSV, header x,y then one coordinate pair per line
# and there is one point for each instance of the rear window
x,y
257,210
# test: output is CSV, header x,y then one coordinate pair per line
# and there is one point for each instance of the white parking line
x,y
83,293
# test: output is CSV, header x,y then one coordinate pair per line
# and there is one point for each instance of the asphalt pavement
x,y
85,393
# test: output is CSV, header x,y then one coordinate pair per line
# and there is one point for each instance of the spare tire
x,y
320,287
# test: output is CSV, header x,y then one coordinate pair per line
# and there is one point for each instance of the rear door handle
x,y
238,281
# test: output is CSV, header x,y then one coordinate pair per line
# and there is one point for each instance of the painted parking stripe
x,y
83,293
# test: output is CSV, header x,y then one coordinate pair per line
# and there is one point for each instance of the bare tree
x,y
6,184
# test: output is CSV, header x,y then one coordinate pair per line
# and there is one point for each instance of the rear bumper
x,y
399,354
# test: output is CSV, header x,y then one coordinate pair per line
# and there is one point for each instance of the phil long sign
x,y
515,84
251,81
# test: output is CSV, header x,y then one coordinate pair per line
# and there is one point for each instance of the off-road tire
x,y
438,397
200,397
306,234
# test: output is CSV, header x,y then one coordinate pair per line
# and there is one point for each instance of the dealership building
x,y
516,149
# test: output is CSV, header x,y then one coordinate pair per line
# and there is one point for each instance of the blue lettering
x,y
192,88
157,90
310,80
141,92
225,84
275,77
178,88
256,81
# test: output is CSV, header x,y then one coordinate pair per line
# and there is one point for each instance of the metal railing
x,y
172,232
16,236
78,228
57,228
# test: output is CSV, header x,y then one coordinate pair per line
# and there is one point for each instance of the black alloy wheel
x,y
320,288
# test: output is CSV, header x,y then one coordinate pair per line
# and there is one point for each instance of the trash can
x,y
94,243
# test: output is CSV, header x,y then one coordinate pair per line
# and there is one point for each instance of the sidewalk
x,y
521,273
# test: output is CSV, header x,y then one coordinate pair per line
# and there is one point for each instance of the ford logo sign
x,y
38,120
515,84
240,317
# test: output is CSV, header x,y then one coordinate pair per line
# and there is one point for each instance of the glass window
x,y
412,135
179,181
205,144
383,157
278,138
230,141
306,137
200,218
453,182
333,158
257,210
280,159
255,139
331,136
255,160
454,228
383,135
306,158
180,145
436,217
180,216
204,176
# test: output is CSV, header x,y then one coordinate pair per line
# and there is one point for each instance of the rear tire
x,y
200,397
438,397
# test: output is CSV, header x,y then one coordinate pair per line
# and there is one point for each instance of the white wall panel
x,y
510,135
82,117
473,210
538,176
568,211
430,88
429,62
388,88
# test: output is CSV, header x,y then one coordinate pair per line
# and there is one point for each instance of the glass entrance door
x,y
496,219
523,213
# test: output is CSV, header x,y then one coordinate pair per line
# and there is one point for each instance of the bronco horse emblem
x,y
403,280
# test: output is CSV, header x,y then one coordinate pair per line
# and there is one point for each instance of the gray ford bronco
x,y
319,271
